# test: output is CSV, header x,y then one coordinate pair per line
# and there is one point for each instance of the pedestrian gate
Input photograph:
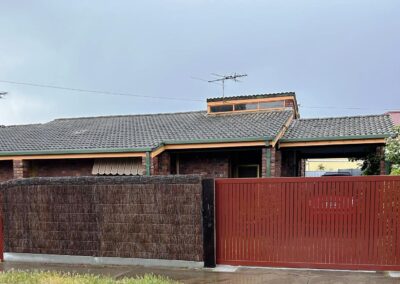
x,y
328,222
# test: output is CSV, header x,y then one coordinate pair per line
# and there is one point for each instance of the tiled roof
x,y
337,128
134,132
248,97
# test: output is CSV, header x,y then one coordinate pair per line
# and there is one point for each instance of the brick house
x,y
243,136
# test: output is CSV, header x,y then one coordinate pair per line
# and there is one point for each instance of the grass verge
x,y
41,277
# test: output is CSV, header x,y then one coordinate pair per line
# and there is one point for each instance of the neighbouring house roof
x,y
395,116
249,97
140,132
339,128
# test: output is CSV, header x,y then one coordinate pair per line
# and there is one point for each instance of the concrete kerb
x,y
162,263
90,260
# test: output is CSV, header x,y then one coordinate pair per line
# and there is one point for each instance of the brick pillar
x,y
302,167
20,169
264,162
270,162
161,164
164,164
380,151
278,163
273,162
144,164
154,166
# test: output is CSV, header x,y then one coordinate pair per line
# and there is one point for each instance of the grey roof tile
x,y
139,131
339,127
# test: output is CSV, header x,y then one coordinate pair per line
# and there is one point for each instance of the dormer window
x,y
269,102
246,107
222,108
267,105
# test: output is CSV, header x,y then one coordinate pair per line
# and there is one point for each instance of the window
x,y
222,108
237,106
118,167
246,106
247,171
276,104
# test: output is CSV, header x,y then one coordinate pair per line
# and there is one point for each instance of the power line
x,y
97,91
204,80
347,108
2,94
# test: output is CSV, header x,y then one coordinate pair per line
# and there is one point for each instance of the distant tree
x,y
392,151
370,164
321,167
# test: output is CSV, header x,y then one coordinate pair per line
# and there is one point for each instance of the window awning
x,y
118,167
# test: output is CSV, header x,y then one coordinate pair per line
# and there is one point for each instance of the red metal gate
x,y
1,240
336,222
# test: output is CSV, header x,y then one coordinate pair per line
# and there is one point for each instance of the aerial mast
x,y
223,78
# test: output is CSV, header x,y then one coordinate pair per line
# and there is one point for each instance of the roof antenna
x,y
2,94
226,77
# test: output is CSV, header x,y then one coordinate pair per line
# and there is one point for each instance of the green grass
x,y
41,277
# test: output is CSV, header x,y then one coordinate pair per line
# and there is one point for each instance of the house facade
x,y
242,136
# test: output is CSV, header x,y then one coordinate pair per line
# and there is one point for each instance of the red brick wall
x,y
208,164
20,169
276,161
264,162
61,168
6,170
161,165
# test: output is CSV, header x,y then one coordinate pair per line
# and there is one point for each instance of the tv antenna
x,y
223,78
2,94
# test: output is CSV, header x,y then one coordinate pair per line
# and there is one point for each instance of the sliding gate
x,y
336,222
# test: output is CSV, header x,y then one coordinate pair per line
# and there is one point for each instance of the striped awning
x,y
118,167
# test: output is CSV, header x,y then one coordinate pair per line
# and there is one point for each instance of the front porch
x,y
219,163
294,158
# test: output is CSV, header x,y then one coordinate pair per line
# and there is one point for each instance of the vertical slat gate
x,y
1,239
332,222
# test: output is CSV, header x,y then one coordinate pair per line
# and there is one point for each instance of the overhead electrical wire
x,y
161,98
347,108
97,91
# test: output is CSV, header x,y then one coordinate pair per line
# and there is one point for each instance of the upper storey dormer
x,y
253,103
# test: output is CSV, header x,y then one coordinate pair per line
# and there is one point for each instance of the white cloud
x,y
20,109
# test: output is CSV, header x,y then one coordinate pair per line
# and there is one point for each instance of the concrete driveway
x,y
219,275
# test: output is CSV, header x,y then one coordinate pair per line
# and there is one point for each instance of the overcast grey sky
x,y
331,53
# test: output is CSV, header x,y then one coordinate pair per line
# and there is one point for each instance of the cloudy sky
x,y
340,57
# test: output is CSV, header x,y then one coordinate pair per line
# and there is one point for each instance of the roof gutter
x,y
74,151
134,150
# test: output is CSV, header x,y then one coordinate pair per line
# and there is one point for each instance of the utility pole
x,y
223,78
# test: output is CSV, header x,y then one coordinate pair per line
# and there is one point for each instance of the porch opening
x,y
296,161
238,163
